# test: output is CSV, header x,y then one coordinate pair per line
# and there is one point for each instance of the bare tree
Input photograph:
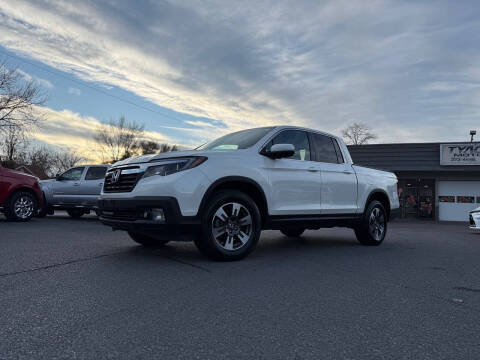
x,y
18,98
358,134
167,148
64,160
148,147
15,141
118,139
47,159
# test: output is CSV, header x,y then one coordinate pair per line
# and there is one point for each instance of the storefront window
x,y
416,197
447,199
465,199
478,199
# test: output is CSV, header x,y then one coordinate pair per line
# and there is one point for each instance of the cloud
x,y
40,81
74,91
66,129
320,64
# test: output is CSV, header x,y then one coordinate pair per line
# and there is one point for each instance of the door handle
x,y
347,172
101,184
312,169
76,184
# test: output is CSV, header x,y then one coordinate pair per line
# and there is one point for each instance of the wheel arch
x,y
24,189
381,196
239,183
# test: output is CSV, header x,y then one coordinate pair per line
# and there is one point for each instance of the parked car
x,y
225,192
475,219
76,190
20,195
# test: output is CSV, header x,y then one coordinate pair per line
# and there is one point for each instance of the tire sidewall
x,y
209,243
366,227
11,212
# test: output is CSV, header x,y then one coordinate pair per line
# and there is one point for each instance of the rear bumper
x,y
130,215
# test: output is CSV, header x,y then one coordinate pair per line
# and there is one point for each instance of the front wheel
x,y
373,229
145,240
231,226
75,213
21,206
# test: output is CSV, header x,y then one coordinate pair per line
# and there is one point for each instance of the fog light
x,y
158,215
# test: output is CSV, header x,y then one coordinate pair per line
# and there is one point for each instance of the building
x,y
438,181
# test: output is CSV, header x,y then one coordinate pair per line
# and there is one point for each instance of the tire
x,y
145,240
75,213
293,232
373,229
231,226
21,206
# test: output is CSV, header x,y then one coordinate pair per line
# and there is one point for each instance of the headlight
x,y
168,167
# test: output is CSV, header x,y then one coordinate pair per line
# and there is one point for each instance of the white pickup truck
x,y
225,192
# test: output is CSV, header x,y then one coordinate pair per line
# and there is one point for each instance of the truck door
x,y
91,186
339,182
65,188
295,181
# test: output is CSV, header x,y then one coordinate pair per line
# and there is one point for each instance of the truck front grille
x,y
122,182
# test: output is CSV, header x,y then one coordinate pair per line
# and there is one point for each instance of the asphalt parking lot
x,y
75,289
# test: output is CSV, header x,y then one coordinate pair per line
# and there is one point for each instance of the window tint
x,y
297,138
95,173
339,152
73,174
324,149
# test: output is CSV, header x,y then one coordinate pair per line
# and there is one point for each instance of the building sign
x,y
460,154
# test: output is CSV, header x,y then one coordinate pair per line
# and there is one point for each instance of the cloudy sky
x,y
193,70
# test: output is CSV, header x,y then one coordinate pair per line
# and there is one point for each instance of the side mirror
x,y
279,151
58,177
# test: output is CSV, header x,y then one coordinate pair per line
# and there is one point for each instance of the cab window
x,y
95,173
73,174
297,138
324,149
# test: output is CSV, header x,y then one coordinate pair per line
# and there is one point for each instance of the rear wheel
x,y
75,213
373,229
21,206
231,226
145,240
292,232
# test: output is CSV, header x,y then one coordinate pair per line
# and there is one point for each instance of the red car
x,y
20,195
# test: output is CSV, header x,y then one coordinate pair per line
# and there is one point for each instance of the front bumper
x,y
474,219
129,215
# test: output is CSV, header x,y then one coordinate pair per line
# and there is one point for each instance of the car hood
x,y
21,174
169,155
476,210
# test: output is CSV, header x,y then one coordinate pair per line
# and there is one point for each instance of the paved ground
x,y
74,289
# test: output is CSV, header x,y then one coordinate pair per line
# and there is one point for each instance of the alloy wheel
x,y
23,207
232,226
377,224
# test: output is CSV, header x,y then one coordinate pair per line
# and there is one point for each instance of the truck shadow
x,y
271,246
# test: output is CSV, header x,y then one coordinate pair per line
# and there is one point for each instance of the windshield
x,y
237,140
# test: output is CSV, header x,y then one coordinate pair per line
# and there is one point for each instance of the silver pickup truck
x,y
76,190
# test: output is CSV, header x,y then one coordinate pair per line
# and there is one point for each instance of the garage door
x,y
457,198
